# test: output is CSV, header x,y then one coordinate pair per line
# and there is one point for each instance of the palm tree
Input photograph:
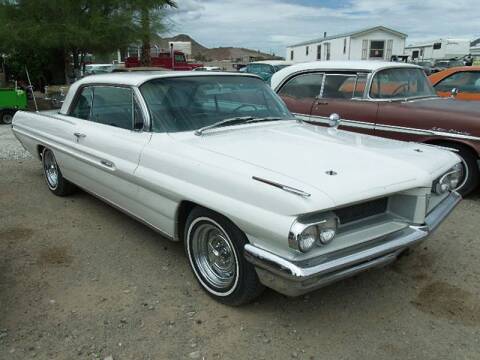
x,y
149,22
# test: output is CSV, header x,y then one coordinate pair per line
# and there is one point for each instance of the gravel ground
x,y
10,148
80,280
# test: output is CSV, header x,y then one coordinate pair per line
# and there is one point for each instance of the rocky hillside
x,y
203,53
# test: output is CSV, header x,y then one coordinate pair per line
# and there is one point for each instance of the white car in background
x,y
207,68
259,198
95,69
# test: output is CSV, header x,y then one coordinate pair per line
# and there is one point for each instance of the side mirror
x,y
334,120
454,92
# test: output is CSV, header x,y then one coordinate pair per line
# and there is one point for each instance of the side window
x,y
302,86
360,85
463,81
113,106
83,104
339,86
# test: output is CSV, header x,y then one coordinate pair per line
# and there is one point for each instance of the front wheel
x,y
6,116
214,246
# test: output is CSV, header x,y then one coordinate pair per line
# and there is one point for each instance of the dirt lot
x,y
80,280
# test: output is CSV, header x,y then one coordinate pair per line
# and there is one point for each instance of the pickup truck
x,y
258,198
11,100
164,60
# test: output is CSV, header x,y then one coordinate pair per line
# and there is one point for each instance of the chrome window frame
x,y
374,73
136,95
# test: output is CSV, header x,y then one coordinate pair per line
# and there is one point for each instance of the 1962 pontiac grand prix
x,y
258,197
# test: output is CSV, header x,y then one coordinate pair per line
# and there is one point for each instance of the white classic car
x,y
259,198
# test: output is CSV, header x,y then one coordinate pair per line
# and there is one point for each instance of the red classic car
x,y
392,100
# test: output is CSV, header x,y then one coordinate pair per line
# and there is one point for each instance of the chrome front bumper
x,y
297,278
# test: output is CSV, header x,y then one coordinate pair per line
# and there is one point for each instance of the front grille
x,y
361,211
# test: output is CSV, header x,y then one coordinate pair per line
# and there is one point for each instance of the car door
x,y
300,92
343,94
109,145
397,119
466,82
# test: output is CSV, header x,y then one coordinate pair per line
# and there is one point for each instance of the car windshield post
x,y
191,103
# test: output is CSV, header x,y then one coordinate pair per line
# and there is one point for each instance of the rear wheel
x,y
6,116
53,176
470,168
214,246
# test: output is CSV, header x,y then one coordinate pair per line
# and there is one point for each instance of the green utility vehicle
x,y
11,100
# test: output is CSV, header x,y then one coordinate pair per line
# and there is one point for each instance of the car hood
x,y
344,166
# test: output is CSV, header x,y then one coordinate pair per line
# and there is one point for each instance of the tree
x,y
61,31
148,18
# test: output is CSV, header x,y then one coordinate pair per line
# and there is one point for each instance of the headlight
x,y
308,238
456,176
305,236
449,181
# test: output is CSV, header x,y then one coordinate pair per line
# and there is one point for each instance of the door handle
x,y
106,163
321,102
79,135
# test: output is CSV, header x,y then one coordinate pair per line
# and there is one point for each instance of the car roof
x,y
136,79
362,65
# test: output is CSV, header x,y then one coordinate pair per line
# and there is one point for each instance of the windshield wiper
x,y
236,120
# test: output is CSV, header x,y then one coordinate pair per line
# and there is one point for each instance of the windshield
x,y
193,102
400,83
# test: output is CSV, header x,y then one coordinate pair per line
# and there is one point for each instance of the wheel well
x,y
40,149
181,218
446,143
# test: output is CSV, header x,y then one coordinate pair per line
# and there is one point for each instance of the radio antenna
x,y
31,89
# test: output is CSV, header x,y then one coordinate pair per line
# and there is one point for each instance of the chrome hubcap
x,y
214,256
51,169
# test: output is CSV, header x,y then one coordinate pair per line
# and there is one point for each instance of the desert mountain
x,y
203,53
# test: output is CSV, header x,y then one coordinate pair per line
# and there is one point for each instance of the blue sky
x,y
271,25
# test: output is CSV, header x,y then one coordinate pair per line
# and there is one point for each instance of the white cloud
x,y
270,25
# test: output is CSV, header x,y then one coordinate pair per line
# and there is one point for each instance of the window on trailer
x,y
377,49
319,52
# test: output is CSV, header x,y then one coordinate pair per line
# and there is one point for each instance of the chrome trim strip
x,y
283,187
388,128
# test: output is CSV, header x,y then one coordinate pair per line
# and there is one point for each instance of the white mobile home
x,y
438,49
475,48
376,43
